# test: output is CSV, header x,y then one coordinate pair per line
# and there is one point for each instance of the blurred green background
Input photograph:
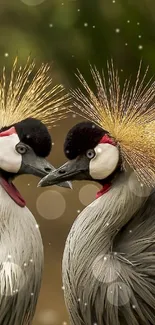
x,y
70,34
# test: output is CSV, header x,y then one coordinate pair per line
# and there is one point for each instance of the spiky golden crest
x,y
30,94
127,114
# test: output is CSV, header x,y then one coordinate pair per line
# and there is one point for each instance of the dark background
x,y
70,34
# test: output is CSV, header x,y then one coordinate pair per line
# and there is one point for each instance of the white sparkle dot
x,y
25,264
28,184
105,258
120,287
64,323
141,185
37,226
140,47
121,70
115,253
113,1
6,55
53,143
139,36
31,260
99,150
78,10
79,299
117,30
9,256
93,126
32,294
78,211
138,23
133,306
50,25
94,26
16,290
126,44
63,288
128,21
85,24
62,4
107,224
85,304
74,115
130,231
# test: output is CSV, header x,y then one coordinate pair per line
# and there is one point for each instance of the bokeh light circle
x,y
118,294
139,190
48,317
87,193
51,204
32,2
12,279
106,268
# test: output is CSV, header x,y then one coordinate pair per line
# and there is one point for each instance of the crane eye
x,y
90,153
20,148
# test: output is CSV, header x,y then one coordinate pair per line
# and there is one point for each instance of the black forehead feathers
x,y
81,137
35,134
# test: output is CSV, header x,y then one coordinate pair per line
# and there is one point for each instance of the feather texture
x,y
21,262
30,93
109,258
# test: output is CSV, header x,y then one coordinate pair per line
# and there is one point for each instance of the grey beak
x,y
40,167
66,184
76,169
47,169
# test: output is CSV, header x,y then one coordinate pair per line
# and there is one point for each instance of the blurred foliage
x,y
74,33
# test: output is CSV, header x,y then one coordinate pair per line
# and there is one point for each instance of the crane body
x,y
21,260
106,279
109,258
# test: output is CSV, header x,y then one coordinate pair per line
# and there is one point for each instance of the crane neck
x,y
110,212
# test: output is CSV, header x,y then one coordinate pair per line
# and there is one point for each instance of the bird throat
x,y
12,192
103,190
107,183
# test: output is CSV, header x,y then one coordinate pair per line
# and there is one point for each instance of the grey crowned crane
x,y
26,104
109,258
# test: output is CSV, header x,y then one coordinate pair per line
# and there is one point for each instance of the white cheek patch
x,y
10,159
105,161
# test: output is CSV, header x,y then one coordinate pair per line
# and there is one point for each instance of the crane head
x,y
92,153
23,149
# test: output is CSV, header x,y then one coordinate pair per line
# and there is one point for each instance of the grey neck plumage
x,y
89,261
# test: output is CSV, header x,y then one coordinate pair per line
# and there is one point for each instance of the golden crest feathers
x,y
127,114
30,94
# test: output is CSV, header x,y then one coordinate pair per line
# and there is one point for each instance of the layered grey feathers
x,y
21,261
109,258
